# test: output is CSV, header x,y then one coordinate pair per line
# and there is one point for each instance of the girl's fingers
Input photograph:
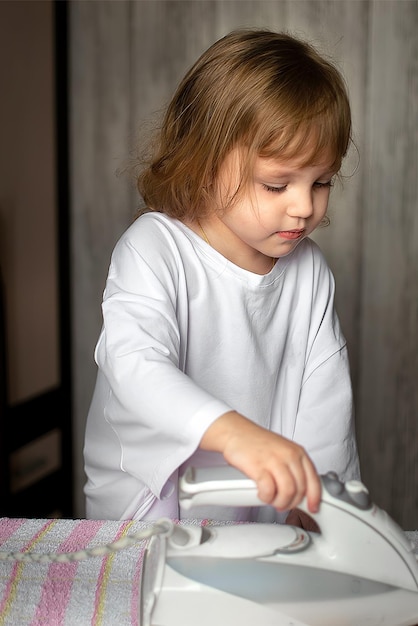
x,y
266,486
279,488
288,489
307,483
287,486
314,488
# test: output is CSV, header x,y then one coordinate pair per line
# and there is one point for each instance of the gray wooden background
x,y
126,58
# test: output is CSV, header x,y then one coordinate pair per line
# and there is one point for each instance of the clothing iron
x,y
359,570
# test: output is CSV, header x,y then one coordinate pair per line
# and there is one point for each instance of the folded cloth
x,y
101,591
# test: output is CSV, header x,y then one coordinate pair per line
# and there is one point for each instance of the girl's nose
x,y
301,206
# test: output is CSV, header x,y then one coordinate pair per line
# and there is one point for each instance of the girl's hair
x,y
268,93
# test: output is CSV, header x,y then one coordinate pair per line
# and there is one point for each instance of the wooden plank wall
x,y
126,59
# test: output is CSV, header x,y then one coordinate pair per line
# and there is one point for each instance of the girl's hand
x,y
283,471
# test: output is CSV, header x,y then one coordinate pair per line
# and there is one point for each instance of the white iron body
x,y
360,570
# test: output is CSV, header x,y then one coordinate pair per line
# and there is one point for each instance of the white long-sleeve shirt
x,y
187,336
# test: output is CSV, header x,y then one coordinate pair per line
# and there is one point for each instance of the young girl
x,y
220,343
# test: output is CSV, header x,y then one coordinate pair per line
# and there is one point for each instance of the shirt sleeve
x,y
325,418
325,423
157,412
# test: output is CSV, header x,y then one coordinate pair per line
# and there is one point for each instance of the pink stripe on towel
x,y
11,588
8,527
56,591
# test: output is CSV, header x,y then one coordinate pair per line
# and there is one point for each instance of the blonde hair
x,y
269,93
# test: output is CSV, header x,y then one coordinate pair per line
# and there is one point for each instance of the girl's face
x,y
284,203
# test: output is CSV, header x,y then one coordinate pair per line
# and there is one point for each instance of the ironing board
x,y
101,591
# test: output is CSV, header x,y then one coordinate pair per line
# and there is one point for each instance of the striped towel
x,y
102,591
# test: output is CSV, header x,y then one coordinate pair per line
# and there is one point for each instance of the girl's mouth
x,y
291,234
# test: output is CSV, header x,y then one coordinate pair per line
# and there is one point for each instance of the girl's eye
x,y
319,185
274,189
